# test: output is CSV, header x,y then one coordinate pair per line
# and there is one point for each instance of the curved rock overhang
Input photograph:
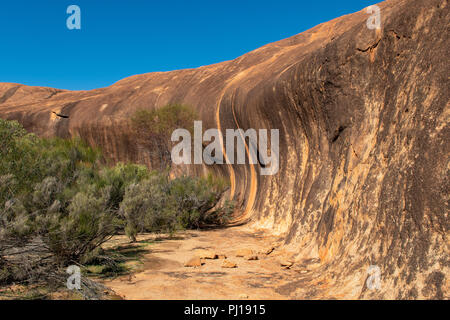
x,y
363,118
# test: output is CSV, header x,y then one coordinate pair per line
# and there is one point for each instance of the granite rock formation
x,y
364,142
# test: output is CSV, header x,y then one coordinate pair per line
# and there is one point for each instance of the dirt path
x,y
164,275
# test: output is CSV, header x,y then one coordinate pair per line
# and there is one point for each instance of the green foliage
x,y
153,129
164,120
31,159
114,181
83,226
159,204
56,197
195,199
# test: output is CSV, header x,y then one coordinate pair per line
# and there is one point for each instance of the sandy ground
x,y
164,276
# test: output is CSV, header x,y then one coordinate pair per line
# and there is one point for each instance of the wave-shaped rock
x,y
363,117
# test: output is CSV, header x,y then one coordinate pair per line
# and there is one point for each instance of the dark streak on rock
x,y
8,94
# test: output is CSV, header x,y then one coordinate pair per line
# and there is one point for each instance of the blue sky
x,y
122,38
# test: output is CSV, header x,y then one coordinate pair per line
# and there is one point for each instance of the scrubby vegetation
x,y
59,202
153,130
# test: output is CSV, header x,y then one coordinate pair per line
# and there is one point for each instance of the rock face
x,y
363,117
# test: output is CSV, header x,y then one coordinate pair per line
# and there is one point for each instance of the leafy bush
x,y
80,228
153,130
114,181
159,204
59,202
31,159
195,199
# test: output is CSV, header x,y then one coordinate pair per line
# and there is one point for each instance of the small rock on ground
x,y
206,254
267,251
194,262
229,264
286,264
244,252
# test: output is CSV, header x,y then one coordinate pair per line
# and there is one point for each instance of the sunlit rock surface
x,y
364,143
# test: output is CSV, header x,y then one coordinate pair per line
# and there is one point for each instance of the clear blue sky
x,y
122,38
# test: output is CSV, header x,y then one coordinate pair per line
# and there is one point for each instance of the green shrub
x,y
116,179
59,202
159,204
194,198
153,130
146,207
85,226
